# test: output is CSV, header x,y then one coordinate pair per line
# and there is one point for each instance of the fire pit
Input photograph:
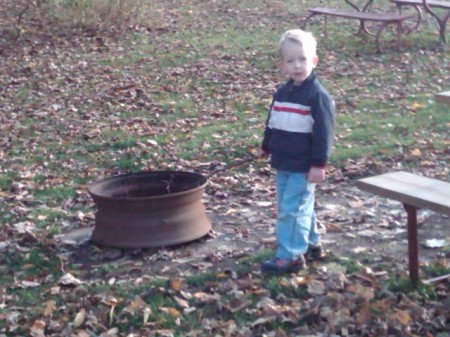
x,y
149,209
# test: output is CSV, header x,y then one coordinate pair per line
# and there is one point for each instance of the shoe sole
x,y
285,271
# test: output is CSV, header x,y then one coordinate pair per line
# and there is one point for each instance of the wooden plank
x,y
410,189
431,3
380,17
443,97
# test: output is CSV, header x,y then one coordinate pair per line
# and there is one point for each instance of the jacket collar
x,y
309,79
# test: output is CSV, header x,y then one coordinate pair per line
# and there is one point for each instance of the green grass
x,y
403,285
435,269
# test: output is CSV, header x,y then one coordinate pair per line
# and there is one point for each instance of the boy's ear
x,y
315,60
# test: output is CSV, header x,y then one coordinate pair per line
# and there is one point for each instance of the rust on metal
x,y
149,209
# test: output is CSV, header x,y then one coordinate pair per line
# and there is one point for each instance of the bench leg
x,y
440,21
442,28
382,27
362,28
413,245
325,23
399,31
419,17
307,19
377,39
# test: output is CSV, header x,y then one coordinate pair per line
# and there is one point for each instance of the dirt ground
x,y
355,224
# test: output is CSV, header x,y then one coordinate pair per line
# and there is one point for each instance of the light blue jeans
x,y
296,227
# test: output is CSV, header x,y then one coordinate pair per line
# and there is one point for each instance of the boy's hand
x,y
263,154
316,175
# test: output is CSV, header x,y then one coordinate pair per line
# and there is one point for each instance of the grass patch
x,y
6,181
435,269
54,195
403,285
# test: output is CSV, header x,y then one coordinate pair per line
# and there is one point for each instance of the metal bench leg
x,y
419,17
377,39
307,19
383,26
413,245
444,23
441,22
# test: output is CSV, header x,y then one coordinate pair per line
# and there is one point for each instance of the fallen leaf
x,y
50,306
181,302
176,284
69,280
435,243
316,287
37,329
416,153
171,311
79,318
146,316
135,305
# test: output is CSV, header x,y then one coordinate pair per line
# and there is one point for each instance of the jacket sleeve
x,y
268,130
323,113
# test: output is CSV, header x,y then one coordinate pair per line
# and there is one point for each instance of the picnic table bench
x,y
442,97
414,192
430,6
362,15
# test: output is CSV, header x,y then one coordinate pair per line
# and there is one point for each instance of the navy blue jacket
x,y
300,126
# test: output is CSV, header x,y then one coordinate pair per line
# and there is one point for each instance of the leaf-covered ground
x,y
187,89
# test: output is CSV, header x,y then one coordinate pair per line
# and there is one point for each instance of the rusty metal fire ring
x,y
149,209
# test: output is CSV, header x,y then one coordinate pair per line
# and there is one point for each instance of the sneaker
x,y
277,265
314,252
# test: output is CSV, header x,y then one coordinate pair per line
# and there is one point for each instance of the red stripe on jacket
x,y
293,110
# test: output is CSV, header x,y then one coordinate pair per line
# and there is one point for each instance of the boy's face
x,y
295,63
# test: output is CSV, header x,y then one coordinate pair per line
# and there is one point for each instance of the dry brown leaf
x,y
110,301
146,316
364,314
69,280
176,284
358,289
415,106
204,297
171,311
111,315
83,334
181,302
50,306
316,287
79,318
264,320
238,304
135,305
416,153
164,333
382,305
298,281
402,317
37,329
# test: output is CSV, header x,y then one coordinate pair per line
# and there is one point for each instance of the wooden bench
x,y
413,192
362,15
430,6
442,97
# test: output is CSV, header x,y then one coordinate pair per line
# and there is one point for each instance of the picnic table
x,y
430,6
414,192
442,97
362,14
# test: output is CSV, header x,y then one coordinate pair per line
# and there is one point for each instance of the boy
x,y
298,137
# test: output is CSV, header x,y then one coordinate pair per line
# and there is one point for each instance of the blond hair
x,y
304,39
